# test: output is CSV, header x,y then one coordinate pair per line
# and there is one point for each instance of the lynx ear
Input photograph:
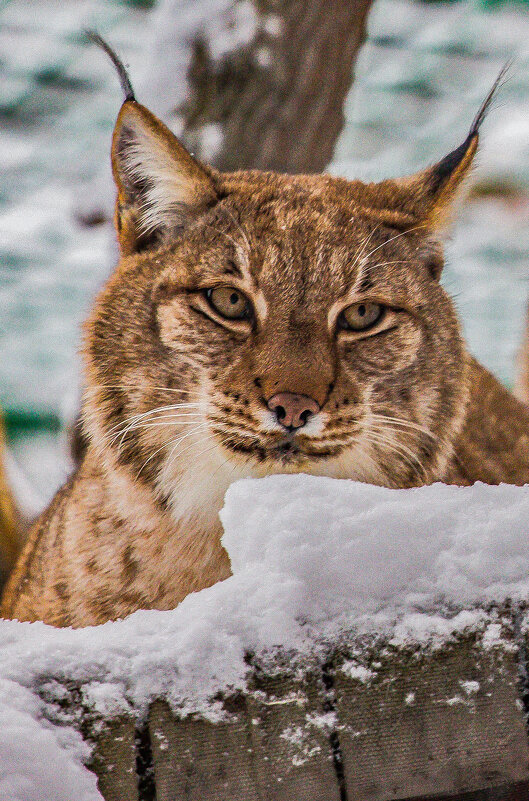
x,y
425,200
161,187
430,193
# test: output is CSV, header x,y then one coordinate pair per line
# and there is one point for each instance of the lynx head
x,y
261,323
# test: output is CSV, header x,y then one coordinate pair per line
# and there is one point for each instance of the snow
x,y
312,559
355,671
36,764
381,548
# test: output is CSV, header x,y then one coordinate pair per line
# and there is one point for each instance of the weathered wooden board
x,y
430,725
404,724
273,748
200,761
114,761
290,739
519,791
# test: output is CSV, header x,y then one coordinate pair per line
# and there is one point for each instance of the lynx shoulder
x,y
8,517
256,323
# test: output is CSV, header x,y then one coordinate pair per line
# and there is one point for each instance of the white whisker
x,y
135,386
172,455
171,407
125,425
382,419
177,421
397,448
364,244
168,445
240,228
402,233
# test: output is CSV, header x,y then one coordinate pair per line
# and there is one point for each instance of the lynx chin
x,y
256,323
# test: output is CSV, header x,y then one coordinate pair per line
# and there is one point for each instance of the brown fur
x,y
9,544
176,400
521,385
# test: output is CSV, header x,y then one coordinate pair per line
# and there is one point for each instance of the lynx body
x,y
256,323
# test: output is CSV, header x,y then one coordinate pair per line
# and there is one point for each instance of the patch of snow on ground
x,y
38,762
311,557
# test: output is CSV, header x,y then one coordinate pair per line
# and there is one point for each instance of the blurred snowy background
x,y
420,77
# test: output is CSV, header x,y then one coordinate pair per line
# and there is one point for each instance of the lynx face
x,y
260,323
319,340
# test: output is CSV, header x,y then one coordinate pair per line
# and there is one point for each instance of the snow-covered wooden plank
x,y
415,724
197,760
114,761
407,723
290,739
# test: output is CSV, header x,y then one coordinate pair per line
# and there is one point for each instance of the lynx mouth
x,y
287,452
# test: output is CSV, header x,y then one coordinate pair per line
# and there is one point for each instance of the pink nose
x,y
292,410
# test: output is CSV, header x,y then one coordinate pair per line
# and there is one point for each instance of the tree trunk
x,y
275,102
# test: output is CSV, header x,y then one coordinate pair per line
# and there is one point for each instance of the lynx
x,y
9,521
256,323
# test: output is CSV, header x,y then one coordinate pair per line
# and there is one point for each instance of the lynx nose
x,y
292,410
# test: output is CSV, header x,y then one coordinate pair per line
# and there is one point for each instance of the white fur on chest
x,y
196,483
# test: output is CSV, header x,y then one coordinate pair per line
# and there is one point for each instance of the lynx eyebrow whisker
x,y
360,255
369,267
391,239
236,245
366,240
240,228
362,258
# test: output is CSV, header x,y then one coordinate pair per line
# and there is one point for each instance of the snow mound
x,y
355,549
312,558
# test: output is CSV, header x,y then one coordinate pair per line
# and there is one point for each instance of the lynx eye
x,y
361,316
229,302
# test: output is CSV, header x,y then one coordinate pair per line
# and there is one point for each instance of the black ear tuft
x,y
124,79
482,113
444,168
